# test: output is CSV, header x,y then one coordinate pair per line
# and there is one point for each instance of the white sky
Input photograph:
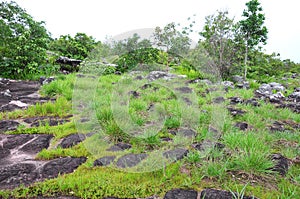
x,y
101,18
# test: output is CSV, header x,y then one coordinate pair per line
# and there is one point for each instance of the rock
x,y
235,100
17,94
15,175
237,79
252,102
244,85
12,141
130,160
36,145
208,144
104,161
184,89
49,121
220,194
8,125
181,194
4,152
186,132
44,80
242,126
228,84
276,98
276,86
135,94
295,96
267,89
119,147
154,75
281,164
72,140
18,104
176,154
277,126
218,100
61,166
235,112
68,61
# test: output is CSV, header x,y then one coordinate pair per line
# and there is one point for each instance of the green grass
x,y
156,111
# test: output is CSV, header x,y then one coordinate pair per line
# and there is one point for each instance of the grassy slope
x,y
242,164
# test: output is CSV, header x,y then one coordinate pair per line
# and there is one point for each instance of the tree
x,y
252,28
23,42
130,44
219,35
171,40
76,48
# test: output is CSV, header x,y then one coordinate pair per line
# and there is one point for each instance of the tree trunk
x,y
245,62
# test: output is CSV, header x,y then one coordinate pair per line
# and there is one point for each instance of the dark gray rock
x,y
236,112
119,147
176,154
228,84
208,144
49,121
15,175
186,132
237,79
181,194
4,152
14,141
281,164
8,125
45,80
218,100
36,145
235,100
71,140
104,161
61,166
295,96
130,160
242,126
220,194
184,89
252,102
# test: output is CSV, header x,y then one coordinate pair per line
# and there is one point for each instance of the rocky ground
x,y
18,165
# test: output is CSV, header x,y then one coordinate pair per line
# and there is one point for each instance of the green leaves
x,y
23,40
77,47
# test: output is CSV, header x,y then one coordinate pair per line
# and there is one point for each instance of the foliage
x,y
140,56
77,47
219,35
171,40
23,42
130,44
253,29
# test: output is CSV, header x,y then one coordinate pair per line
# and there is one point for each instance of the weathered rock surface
x,y
8,125
71,140
176,154
104,161
17,94
17,163
181,194
220,194
60,166
154,75
119,147
130,160
281,164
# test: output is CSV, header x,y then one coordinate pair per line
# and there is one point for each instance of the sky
x,y
111,18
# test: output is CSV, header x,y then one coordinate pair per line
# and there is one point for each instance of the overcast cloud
x,y
113,17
